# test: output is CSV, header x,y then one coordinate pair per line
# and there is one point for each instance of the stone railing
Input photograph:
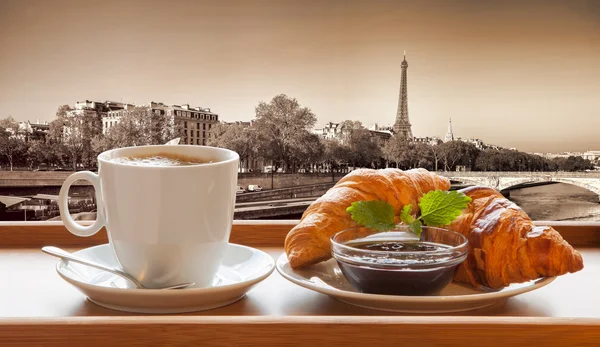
x,y
566,174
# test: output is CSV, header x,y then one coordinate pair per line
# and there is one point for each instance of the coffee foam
x,y
160,160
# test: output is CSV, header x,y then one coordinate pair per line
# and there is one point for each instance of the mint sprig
x,y
438,208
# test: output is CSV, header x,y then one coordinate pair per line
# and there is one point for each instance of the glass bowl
x,y
398,262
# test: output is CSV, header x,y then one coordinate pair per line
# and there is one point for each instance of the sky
x,y
519,74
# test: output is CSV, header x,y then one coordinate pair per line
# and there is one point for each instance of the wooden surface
x,y
246,232
300,331
38,308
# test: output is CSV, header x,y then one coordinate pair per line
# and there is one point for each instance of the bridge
x,y
506,180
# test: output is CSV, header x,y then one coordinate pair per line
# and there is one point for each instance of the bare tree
x,y
281,125
237,138
139,126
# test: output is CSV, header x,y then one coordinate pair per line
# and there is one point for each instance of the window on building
x,y
198,141
203,126
198,133
209,126
178,113
197,125
203,142
185,125
204,134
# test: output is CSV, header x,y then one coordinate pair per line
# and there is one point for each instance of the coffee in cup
x,y
168,210
161,159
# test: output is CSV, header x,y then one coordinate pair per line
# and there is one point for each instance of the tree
x,y
237,138
74,129
364,150
281,125
456,153
308,151
335,154
573,163
12,145
138,127
436,150
37,154
408,155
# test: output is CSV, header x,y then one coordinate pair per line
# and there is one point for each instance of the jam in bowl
x,y
398,262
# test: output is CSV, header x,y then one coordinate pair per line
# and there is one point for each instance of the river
x,y
558,202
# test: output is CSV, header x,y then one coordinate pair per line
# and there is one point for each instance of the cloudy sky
x,y
521,74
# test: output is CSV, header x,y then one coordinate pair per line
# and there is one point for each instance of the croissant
x,y
309,241
504,245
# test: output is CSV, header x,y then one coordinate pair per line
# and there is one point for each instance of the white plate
x,y
242,268
327,278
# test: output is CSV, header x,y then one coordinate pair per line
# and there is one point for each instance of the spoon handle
x,y
61,253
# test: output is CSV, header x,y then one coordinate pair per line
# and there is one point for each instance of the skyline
x,y
514,74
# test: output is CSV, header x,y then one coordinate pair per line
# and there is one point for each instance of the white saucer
x,y
327,278
242,268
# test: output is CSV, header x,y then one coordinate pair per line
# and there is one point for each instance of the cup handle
x,y
63,204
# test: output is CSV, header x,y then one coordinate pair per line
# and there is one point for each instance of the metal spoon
x,y
61,253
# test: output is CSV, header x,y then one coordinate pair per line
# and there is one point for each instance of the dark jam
x,y
404,246
376,274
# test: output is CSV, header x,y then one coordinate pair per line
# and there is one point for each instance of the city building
x,y
101,110
331,131
112,117
593,156
382,135
249,123
28,131
382,132
194,123
376,126
429,140
561,155
101,107
402,126
337,131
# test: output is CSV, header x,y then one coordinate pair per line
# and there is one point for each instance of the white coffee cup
x,y
166,224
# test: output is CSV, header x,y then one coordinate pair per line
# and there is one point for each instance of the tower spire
x,y
449,135
402,126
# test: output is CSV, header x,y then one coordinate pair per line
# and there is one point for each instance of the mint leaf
x,y
413,224
439,208
415,227
405,216
374,214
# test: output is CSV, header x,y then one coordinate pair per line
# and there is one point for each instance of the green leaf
x,y
413,224
405,215
439,208
415,227
374,214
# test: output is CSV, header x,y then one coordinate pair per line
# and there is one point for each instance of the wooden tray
x,y
38,308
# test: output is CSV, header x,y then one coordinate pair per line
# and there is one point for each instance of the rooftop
x,y
9,200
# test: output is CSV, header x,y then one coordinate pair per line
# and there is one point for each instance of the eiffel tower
x,y
402,124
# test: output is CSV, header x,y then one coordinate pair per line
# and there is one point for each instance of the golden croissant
x,y
505,246
309,241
